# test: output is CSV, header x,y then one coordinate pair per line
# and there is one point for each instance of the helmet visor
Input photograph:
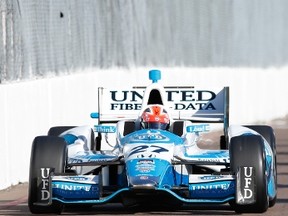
x,y
156,125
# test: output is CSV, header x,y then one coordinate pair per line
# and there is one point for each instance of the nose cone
x,y
144,182
146,173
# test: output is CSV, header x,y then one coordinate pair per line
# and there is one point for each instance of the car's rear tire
x,y
268,133
47,152
248,151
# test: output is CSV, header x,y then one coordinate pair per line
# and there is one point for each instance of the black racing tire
x,y
249,151
56,131
47,151
268,133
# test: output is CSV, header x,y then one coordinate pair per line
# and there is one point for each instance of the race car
x,y
144,150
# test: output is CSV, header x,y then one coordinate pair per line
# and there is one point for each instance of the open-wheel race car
x,y
153,156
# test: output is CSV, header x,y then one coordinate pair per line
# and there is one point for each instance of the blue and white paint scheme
x,y
143,162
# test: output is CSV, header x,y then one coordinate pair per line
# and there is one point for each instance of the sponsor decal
x,y
78,178
198,128
212,189
219,187
212,160
44,195
149,136
145,166
144,177
213,177
200,179
245,185
75,190
209,156
105,129
76,186
209,186
88,179
183,99
71,187
92,157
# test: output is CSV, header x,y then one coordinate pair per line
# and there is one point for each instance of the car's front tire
x,y
268,133
248,151
47,152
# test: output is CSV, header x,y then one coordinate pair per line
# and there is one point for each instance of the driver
x,y
155,117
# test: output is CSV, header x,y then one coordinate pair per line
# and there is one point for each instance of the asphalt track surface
x,y
13,201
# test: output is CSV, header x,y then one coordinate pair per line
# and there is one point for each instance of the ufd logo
x,y
246,195
44,184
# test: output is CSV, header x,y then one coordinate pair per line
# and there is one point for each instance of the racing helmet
x,y
155,117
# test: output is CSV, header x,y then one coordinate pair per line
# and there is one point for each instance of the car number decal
x,y
144,148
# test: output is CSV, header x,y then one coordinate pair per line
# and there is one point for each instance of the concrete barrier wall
x,y
38,38
30,108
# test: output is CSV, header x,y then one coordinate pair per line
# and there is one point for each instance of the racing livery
x,y
145,147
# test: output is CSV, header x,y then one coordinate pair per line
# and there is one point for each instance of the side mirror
x,y
94,115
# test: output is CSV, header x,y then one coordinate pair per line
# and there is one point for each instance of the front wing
x,y
90,189
87,190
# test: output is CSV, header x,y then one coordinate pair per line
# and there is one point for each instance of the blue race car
x,y
155,154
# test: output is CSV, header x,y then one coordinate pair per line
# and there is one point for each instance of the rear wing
x,y
184,103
